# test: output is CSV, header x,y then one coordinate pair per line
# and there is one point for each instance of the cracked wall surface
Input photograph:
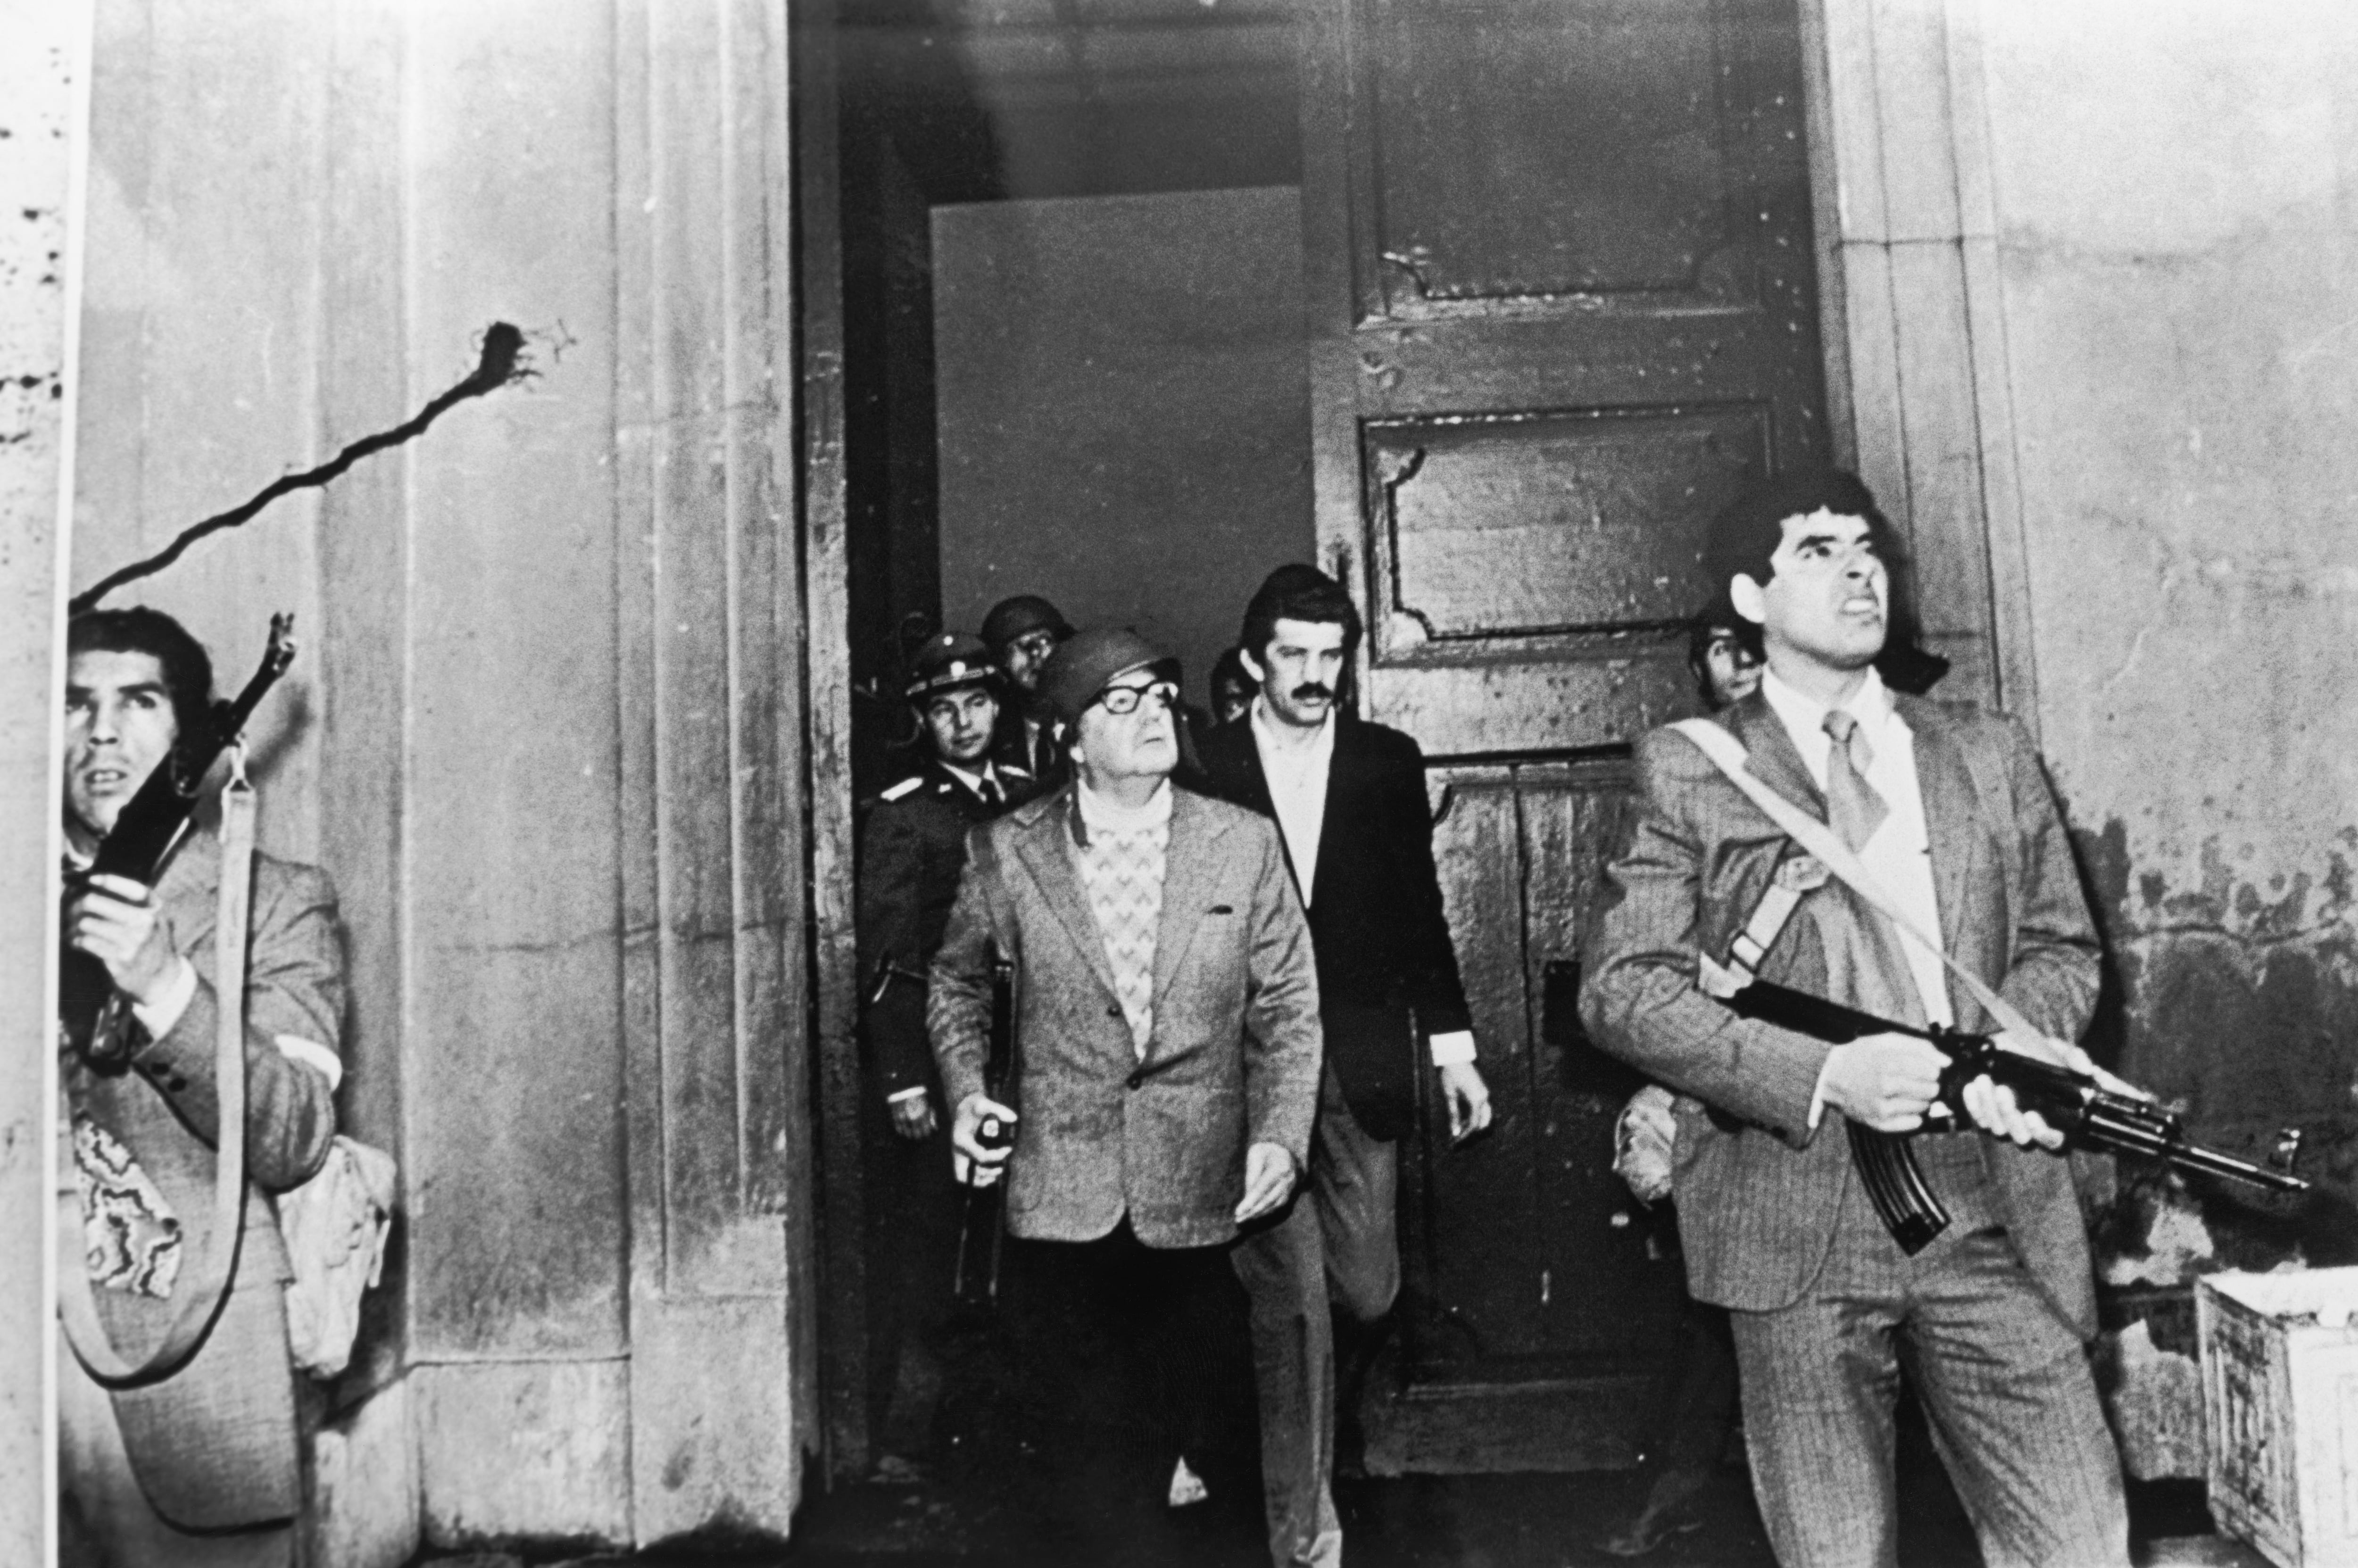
x,y
2176,207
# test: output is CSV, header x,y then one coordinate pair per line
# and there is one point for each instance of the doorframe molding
x,y
1911,311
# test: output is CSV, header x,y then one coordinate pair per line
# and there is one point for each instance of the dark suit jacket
x,y
1758,1191
911,855
1233,1057
214,1444
1376,915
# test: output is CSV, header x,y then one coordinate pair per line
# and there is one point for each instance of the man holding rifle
x,y
1949,813
199,1468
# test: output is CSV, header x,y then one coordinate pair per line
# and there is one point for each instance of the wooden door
x,y
1562,302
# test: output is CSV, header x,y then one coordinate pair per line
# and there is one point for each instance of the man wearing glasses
x,y
1166,1081
1022,633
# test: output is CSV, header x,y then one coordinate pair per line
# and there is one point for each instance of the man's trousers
x,y
2004,1381
105,1520
1338,1244
1126,1357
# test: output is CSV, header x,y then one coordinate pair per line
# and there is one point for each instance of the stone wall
x,y
46,47
546,729
2093,293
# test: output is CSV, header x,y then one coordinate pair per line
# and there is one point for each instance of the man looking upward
x,y
1166,1072
199,1470
1949,811
1350,802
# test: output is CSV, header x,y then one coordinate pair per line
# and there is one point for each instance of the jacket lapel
x,y
1190,873
1342,773
1771,756
1042,852
1948,793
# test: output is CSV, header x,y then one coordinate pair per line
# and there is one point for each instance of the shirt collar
x,y
972,780
1103,815
1804,717
1272,739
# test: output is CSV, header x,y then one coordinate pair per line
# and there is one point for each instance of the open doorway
x,y
1073,366
1557,295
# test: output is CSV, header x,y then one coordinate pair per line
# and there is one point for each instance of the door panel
x,y
1561,305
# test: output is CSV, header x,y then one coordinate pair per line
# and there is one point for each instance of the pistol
x,y
2088,1115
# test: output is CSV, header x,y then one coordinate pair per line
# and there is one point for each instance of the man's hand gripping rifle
x,y
2086,1114
981,1227
145,833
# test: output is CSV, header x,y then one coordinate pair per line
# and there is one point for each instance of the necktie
x,y
1853,808
991,796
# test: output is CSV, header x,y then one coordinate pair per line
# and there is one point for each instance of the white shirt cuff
x,y
157,1017
899,1095
1454,1048
1818,1096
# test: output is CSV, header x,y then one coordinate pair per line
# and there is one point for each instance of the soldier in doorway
x,y
1021,633
912,856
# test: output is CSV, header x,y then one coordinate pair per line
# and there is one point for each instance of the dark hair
x,y
1298,592
1228,669
188,669
1748,530
1746,534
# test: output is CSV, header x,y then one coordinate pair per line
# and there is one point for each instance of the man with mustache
x,y
1951,815
199,1470
1349,801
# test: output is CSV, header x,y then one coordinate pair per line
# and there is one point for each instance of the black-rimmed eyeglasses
x,y
1123,700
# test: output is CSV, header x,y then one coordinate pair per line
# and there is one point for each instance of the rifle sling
x,y
1820,840
205,1289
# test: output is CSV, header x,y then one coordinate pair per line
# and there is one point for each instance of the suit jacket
x,y
214,1444
1376,915
1233,1057
1758,1190
911,856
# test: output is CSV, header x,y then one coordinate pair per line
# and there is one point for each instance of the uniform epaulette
x,y
896,791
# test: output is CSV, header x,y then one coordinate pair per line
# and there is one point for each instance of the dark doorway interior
x,y
951,104
1114,372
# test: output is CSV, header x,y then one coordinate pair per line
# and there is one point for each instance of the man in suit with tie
x,y
1349,801
200,1469
912,852
1166,1070
1950,812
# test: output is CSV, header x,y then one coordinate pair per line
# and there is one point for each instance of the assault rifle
x,y
982,1227
2087,1115
150,825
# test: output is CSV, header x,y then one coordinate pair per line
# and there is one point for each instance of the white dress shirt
x,y
1297,770
1899,854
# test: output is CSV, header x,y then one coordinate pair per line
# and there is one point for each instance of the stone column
x,y
40,129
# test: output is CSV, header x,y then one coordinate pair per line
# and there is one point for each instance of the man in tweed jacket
x,y
1949,809
1167,1075
200,1469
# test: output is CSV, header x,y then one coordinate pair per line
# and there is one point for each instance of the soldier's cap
x,y
1081,666
950,660
1011,617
